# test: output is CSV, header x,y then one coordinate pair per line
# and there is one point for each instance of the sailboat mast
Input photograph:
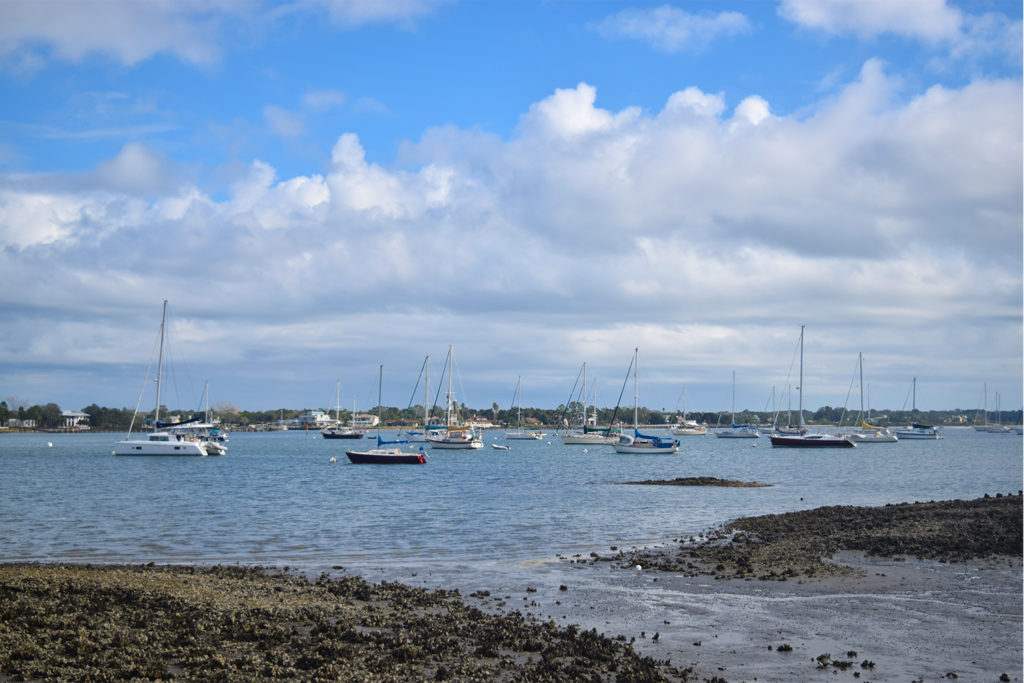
x,y
860,364
426,395
519,404
636,389
380,391
732,408
800,405
584,396
449,418
160,366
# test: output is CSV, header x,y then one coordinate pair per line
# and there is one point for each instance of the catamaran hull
x,y
176,448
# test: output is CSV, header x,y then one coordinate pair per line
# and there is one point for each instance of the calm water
x,y
276,499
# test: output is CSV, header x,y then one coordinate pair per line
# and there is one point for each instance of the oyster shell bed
x,y
235,623
797,544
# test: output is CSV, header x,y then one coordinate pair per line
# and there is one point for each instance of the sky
x,y
320,187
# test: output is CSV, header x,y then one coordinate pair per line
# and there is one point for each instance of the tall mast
x,y
426,395
636,389
860,364
160,367
519,404
584,425
732,409
449,385
801,403
380,388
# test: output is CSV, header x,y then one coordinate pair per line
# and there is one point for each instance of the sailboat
x,y
917,430
381,455
416,434
589,435
808,440
736,431
216,440
162,441
519,433
642,443
869,433
338,431
998,427
453,436
688,427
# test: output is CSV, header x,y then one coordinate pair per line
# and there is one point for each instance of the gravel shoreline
x,y
798,544
250,623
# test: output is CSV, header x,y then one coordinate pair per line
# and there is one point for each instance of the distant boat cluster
x,y
200,437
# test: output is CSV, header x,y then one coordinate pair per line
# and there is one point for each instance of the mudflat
x,y
811,595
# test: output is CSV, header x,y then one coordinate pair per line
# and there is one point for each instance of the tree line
x,y
49,416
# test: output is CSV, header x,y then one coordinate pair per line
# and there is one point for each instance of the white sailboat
x,y
736,431
453,436
688,427
589,436
868,433
162,441
985,426
642,443
917,430
519,433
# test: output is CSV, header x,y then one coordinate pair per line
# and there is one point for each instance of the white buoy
x,y
585,450
332,460
638,567
49,444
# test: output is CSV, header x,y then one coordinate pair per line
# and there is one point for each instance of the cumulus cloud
x,y
965,36
123,30
931,20
586,225
671,29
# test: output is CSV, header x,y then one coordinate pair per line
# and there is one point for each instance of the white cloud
x,y
753,109
671,29
124,30
931,20
965,36
283,122
578,232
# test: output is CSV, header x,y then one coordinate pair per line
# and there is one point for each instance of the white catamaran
x,y
164,440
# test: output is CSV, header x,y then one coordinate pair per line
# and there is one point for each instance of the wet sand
x,y
955,613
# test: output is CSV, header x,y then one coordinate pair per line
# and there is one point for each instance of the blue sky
x,y
321,186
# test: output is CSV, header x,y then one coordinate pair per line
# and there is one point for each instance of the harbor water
x,y
277,499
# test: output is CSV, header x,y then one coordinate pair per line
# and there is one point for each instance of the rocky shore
x,y
250,623
798,544
243,624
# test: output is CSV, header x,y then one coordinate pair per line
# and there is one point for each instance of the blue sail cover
x,y
659,441
381,442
